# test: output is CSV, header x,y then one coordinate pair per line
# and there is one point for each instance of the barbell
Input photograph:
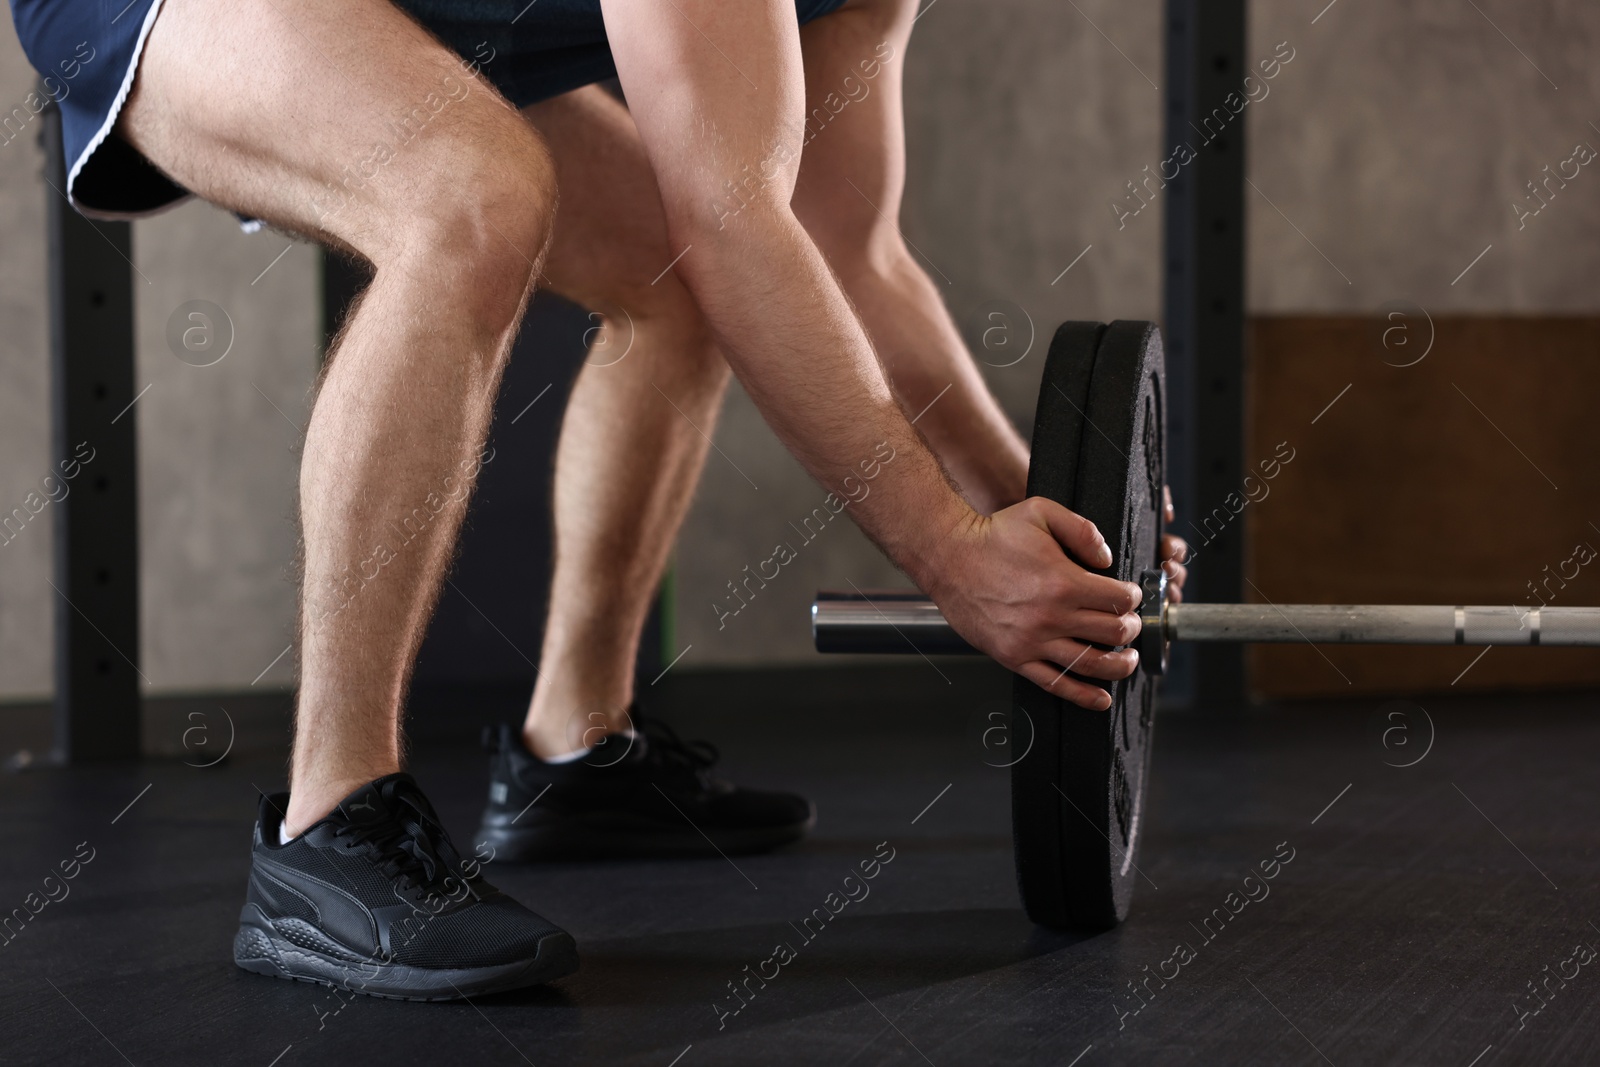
x,y
1099,448
892,622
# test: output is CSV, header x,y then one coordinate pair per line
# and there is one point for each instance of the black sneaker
x,y
375,899
647,793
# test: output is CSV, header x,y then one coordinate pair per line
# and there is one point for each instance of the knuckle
x,y
1062,587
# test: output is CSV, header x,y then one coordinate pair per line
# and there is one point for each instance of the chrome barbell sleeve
x,y
901,622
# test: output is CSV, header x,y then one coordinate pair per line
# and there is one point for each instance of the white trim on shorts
x,y
105,131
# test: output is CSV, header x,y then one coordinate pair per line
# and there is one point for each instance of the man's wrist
x,y
939,531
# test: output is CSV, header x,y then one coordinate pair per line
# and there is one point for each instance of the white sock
x,y
283,835
573,757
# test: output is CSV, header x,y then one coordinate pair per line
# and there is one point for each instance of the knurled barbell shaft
x,y
901,623
1384,624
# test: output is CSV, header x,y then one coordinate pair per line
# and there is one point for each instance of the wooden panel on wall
x,y
1467,476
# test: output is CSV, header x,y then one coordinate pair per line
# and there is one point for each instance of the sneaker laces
x,y
665,747
411,844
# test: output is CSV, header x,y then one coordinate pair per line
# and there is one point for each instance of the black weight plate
x,y
1035,823
1099,448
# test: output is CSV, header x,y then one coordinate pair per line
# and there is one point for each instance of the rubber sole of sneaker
x,y
600,837
259,948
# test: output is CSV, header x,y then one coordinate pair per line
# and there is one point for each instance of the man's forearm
x,y
938,382
798,349
712,132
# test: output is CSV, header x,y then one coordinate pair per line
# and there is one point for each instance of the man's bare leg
x,y
628,460
633,443
453,217
617,513
636,430
1005,581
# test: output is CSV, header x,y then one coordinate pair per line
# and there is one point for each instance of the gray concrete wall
x,y
1387,155
1398,141
24,388
219,449
1017,141
217,460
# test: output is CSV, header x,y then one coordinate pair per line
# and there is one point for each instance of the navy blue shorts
x,y
87,52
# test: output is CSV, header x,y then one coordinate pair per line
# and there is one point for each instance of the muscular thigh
x,y
330,118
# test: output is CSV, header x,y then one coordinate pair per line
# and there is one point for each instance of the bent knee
x,y
888,10
855,244
850,225
891,19
480,223
665,325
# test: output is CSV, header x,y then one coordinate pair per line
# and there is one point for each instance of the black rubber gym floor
x,y
1417,915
